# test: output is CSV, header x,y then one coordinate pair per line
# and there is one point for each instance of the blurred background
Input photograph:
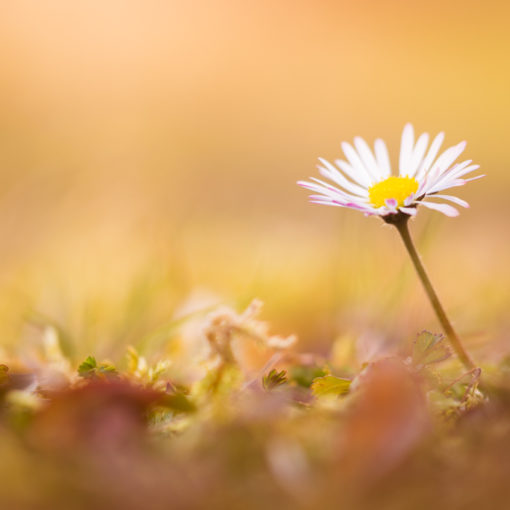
x,y
149,153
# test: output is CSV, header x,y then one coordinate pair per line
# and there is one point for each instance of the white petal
x,y
455,168
406,148
408,210
359,177
446,209
431,155
332,173
449,156
327,191
445,185
430,180
455,200
474,178
383,160
451,176
459,172
423,185
452,183
325,203
460,166
336,199
330,190
418,153
341,203
355,161
368,158
323,188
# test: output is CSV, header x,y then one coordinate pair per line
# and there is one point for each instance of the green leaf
x,y
88,368
304,375
274,379
107,370
179,402
430,348
330,385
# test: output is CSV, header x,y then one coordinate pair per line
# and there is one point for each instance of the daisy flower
x,y
364,180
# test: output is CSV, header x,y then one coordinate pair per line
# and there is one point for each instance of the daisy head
x,y
364,180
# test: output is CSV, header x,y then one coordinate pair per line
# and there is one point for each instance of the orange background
x,y
149,152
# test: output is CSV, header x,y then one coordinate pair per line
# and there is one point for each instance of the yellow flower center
x,y
398,188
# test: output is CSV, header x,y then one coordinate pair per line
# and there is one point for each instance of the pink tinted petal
x,y
323,203
409,200
391,203
353,205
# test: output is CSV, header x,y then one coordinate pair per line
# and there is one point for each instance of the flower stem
x,y
403,229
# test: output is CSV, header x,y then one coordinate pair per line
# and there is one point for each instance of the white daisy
x,y
365,181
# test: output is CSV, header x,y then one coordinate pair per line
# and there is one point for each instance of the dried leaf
x,y
430,348
4,376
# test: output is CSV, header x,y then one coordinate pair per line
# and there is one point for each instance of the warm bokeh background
x,y
149,152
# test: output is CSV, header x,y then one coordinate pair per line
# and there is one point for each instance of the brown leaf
x,y
387,421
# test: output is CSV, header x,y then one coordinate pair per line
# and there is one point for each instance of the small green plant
x,y
90,369
274,379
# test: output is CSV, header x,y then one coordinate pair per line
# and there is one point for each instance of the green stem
x,y
403,229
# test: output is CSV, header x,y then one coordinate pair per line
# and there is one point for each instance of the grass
x,y
227,415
